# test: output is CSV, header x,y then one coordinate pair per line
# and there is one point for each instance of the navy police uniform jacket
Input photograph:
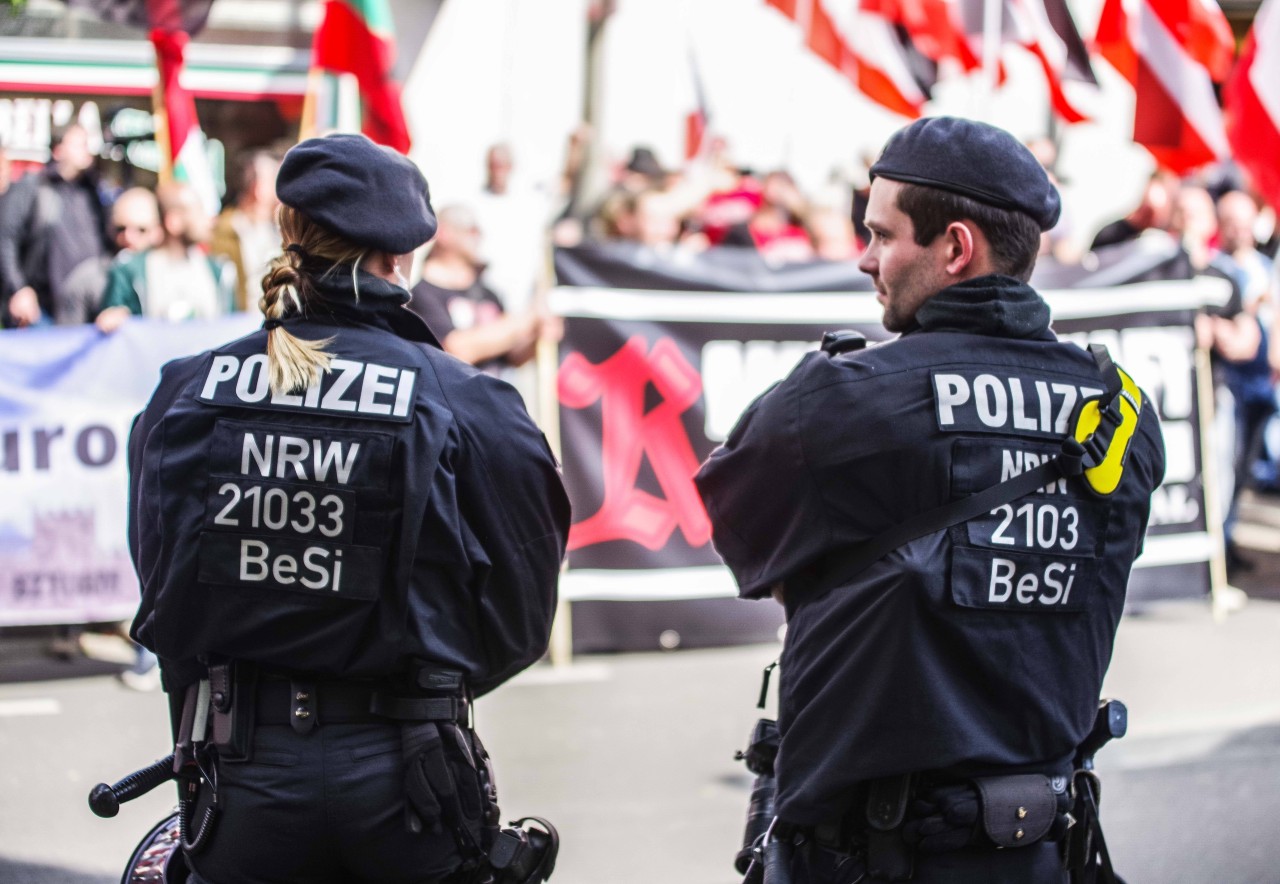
x,y
403,507
977,649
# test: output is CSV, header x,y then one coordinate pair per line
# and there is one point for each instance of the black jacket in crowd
x,y
37,209
405,507
976,649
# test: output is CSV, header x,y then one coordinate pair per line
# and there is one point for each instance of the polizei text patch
x,y
349,389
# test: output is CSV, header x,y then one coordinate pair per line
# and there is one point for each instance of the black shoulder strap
x,y
1074,458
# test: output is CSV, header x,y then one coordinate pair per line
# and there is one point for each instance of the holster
x,y
889,858
449,783
191,759
232,688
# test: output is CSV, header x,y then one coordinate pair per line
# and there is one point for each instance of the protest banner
x,y
652,379
67,400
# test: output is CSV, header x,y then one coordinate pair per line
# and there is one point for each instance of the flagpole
x,y
547,371
308,122
160,116
591,179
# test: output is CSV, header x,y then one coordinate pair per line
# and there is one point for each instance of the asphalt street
x,y
631,755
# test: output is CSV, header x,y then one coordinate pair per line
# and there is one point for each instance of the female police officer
x,y
342,535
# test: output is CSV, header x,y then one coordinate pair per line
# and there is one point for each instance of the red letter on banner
x,y
629,434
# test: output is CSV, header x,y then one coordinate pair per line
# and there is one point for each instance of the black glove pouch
x,y
442,783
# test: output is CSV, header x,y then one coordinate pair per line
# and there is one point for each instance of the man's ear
x,y
961,246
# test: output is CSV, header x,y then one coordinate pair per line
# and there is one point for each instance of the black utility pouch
x,y
232,696
1016,810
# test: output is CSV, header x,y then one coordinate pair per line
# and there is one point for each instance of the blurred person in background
x,y
515,216
730,206
52,221
1237,220
245,232
135,226
1193,221
776,227
1056,243
1233,337
135,218
1242,342
648,218
176,279
1153,213
642,173
833,234
464,313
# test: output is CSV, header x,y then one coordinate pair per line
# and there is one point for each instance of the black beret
x,y
362,191
972,159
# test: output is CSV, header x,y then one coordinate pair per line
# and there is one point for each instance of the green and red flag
x,y
181,142
355,37
183,155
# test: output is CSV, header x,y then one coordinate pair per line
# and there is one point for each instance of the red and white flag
x,y
935,27
865,47
1045,29
1034,30
1252,104
1171,52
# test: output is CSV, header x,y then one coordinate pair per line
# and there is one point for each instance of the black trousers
x,y
1035,864
326,807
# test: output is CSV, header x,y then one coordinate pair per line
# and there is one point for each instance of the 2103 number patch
x,y
1038,525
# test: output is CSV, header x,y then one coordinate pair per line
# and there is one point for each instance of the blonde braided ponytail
x,y
295,363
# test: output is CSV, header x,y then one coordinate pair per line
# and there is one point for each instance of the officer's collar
x,y
995,305
380,303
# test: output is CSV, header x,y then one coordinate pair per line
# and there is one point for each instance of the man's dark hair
x,y
1014,236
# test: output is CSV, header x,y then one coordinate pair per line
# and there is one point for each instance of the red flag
x,y
1171,52
355,37
1252,104
867,50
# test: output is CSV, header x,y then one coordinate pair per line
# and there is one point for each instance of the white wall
x,y
490,71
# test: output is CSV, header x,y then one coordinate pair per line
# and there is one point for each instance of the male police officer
x,y
921,685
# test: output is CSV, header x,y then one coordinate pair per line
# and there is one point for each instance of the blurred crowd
x,y
74,251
